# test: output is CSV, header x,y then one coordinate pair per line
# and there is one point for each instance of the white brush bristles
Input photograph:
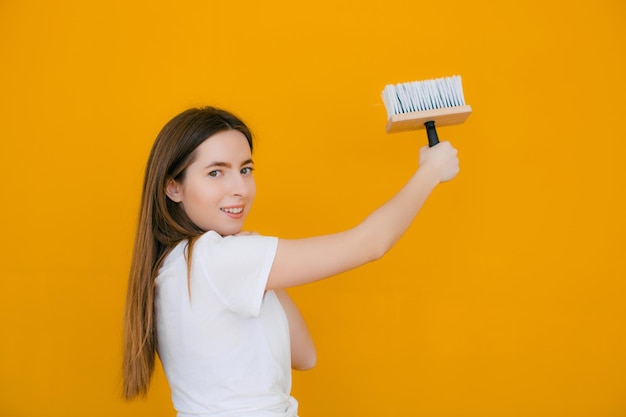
x,y
423,95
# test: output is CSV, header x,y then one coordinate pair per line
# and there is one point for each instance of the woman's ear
x,y
173,191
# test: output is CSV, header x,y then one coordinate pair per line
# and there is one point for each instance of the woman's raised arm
x,y
300,261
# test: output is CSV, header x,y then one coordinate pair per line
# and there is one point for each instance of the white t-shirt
x,y
224,341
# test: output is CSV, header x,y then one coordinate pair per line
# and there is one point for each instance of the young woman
x,y
209,297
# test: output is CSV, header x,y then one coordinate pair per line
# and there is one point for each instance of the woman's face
x,y
219,187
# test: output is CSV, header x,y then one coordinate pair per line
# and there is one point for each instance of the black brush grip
x,y
431,131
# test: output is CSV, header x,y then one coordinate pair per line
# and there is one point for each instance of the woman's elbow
x,y
379,249
372,248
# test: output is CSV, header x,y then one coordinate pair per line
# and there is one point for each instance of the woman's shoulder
x,y
210,237
212,245
213,238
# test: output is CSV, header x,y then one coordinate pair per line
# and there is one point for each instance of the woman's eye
x,y
247,170
215,173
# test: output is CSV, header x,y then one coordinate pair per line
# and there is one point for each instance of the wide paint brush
x,y
425,105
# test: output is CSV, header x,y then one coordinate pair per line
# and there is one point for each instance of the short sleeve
x,y
236,267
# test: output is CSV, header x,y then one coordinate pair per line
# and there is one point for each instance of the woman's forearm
x,y
301,261
386,225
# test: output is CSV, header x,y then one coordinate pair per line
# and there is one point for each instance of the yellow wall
x,y
506,297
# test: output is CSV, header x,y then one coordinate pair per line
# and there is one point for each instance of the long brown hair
x,y
162,225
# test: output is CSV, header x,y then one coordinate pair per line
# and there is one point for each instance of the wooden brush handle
x,y
446,116
431,131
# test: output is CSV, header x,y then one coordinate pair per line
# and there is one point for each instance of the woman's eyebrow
x,y
218,164
228,164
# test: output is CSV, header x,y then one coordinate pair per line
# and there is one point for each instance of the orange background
x,y
506,297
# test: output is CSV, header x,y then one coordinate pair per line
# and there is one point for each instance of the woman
x,y
209,297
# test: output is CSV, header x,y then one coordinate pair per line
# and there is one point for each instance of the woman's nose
x,y
239,185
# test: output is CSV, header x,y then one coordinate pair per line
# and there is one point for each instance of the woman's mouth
x,y
234,212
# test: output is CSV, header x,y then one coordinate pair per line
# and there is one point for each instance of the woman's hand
x,y
441,159
245,233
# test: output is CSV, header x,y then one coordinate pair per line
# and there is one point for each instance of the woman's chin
x,y
228,231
